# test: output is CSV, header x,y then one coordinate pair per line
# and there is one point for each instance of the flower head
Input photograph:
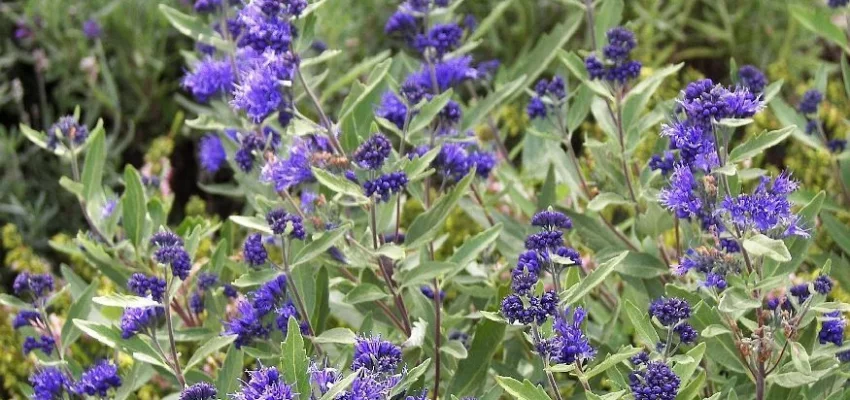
x,y
92,29
279,219
209,77
569,344
265,384
49,383
392,109
373,152
143,285
247,325
139,319
670,311
36,286
823,284
832,329
66,128
376,355
170,252
199,391
254,251
211,153
386,185
656,382
551,220
98,379
810,102
752,78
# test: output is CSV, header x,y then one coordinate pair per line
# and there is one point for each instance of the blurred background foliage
x,y
130,77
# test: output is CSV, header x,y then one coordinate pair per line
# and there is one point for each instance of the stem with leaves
x,y
75,170
385,272
172,343
326,122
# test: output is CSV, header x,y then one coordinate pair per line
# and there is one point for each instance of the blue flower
x,y
837,3
767,210
447,74
617,68
264,384
451,113
823,284
196,302
206,280
37,286
376,355
392,109
270,295
801,292
595,68
569,344
752,78
551,220
640,359
483,162
92,29
372,153
295,170
709,261
544,241
45,343
261,31
703,102
258,94
682,195
230,291
386,185
211,153
254,251
25,318
526,273
98,379
452,162
670,311
832,329
621,42
66,128
695,143
514,310
656,382
687,333
664,163
810,102
284,313
49,383
279,219
170,252
209,77
536,108
199,391
837,145
403,24
428,292
323,378
247,325
443,38
139,319
143,285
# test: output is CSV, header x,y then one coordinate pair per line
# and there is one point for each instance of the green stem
x,y
172,343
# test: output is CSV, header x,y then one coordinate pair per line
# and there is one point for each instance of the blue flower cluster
x,y
548,95
66,128
34,287
568,344
209,77
767,210
712,263
199,391
673,313
279,220
143,285
373,152
265,384
616,68
385,185
456,159
205,282
45,343
304,153
752,78
654,380
211,153
832,329
254,251
808,106
251,321
546,252
51,383
170,251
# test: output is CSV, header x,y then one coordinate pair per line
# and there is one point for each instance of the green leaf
x,y
14,302
410,378
80,309
472,247
472,371
133,205
735,122
209,347
612,360
320,244
353,73
294,360
455,349
838,231
481,109
427,225
800,358
845,74
819,21
494,16
603,200
255,278
684,370
761,245
429,111
363,293
524,390
193,27
340,185
758,144
376,77
736,301
227,380
545,50
254,223
608,16
339,387
125,301
715,330
103,333
425,272
93,167
643,327
592,280
336,336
